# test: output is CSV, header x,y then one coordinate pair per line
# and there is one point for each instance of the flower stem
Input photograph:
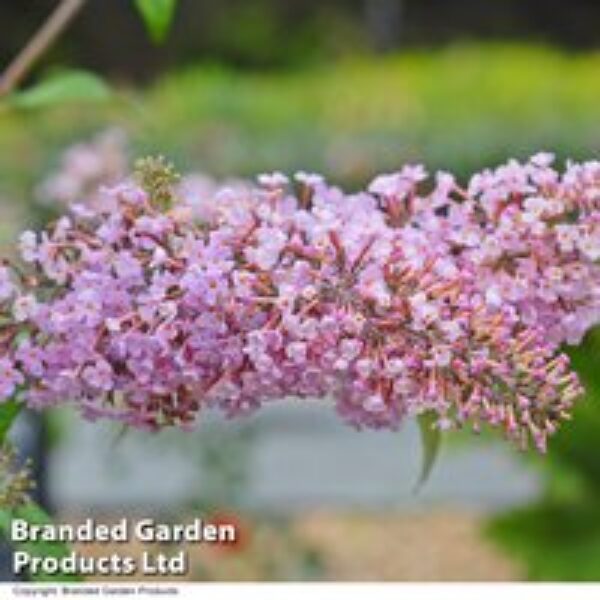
x,y
43,39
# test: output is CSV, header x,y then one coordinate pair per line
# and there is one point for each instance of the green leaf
x,y
431,438
65,86
36,515
8,413
157,16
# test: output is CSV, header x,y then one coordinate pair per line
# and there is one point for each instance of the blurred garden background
x,y
349,88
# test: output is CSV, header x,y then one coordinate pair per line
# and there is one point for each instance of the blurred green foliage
x,y
459,109
558,537
157,16
63,87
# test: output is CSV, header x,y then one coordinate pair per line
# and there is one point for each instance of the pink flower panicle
x,y
84,170
391,302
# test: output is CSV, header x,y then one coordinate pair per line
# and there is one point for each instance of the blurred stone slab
x,y
290,456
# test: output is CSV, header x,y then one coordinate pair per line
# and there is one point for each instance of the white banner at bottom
x,y
316,591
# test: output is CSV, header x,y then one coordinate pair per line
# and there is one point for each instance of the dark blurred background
x,y
275,34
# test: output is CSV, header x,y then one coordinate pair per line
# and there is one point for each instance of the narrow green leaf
x,y
8,413
36,515
431,438
66,86
157,16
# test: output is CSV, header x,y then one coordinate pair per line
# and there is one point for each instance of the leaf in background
x,y
35,514
66,86
8,413
431,437
157,16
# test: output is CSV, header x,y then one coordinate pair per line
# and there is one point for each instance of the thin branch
x,y
39,44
